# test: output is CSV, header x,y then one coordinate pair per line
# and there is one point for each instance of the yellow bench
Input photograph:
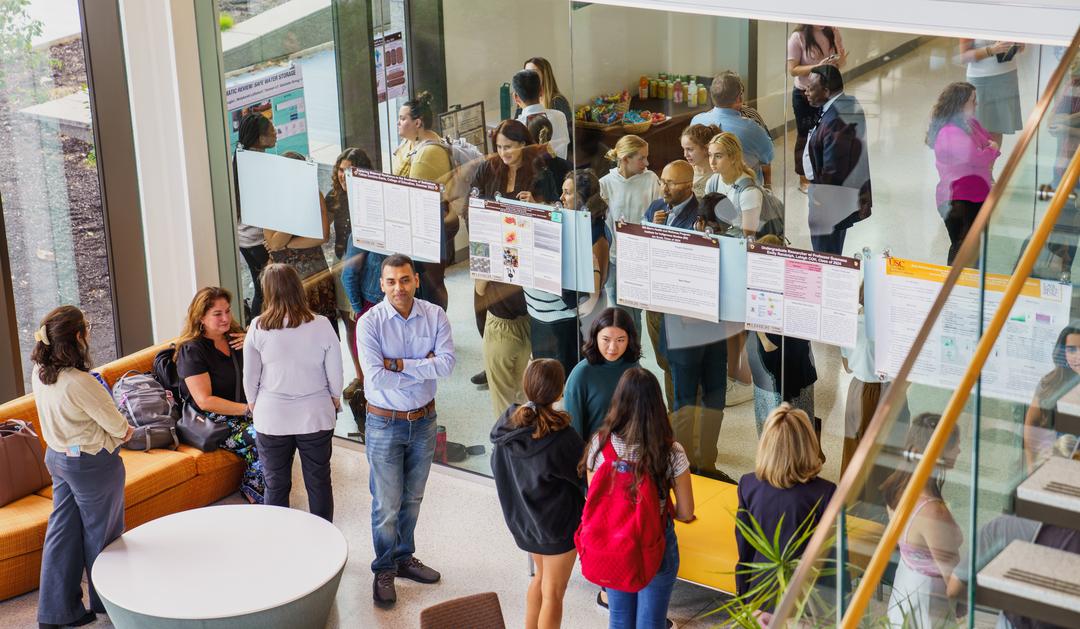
x,y
707,551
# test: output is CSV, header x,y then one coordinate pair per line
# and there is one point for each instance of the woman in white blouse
x,y
293,381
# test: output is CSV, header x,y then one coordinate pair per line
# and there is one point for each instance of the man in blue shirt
x,y
727,97
405,346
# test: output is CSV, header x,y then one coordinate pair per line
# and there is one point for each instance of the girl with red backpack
x,y
626,540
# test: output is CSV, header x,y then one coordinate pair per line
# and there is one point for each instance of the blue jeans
x,y
693,369
648,608
399,454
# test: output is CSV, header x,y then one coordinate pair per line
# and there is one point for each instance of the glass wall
x,y
53,220
891,82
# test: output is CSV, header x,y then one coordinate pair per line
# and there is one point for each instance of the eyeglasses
x,y
672,184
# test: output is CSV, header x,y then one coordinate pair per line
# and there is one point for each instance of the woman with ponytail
x,y
535,462
83,432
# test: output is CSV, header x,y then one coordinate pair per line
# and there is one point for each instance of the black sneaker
x,y
479,379
382,588
414,569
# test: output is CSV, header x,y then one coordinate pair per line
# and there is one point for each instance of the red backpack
x,y
621,542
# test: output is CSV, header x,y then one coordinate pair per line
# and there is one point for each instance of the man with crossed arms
x,y
405,346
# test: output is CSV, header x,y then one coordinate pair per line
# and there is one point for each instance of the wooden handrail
x,y
959,398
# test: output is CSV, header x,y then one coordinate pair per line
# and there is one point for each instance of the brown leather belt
x,y
409,416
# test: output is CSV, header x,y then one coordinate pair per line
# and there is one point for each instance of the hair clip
x,y
41,335
530,404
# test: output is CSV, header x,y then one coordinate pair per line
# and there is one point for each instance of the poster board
x,y
516,243
668,270
577,268
732,279
467,123
802,294
1020,357
391,75
392,214
278,96
279,193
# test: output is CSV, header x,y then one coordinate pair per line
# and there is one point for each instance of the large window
x,y
53,220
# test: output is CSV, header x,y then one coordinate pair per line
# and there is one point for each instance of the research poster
x,y
804,294
668,270
279,193
1020,357
516,243
390,72
278,96
392,214
466,123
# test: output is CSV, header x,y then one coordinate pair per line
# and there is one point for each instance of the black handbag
x,y
197,429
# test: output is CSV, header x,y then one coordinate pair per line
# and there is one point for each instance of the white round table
x,y
233,566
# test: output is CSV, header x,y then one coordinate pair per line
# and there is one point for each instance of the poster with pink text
x,y
804,294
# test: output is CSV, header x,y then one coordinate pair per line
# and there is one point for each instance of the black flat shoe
x,y
479,379
87,618
600,599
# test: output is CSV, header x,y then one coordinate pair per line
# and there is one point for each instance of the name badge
x,y
72,451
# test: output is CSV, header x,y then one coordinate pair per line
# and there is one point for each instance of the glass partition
x,y
49,186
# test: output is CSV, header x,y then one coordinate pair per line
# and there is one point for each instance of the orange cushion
x,y
23,525
149,473
141,360
208,462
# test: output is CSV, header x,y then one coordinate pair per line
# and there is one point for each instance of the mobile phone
x,y
1005,57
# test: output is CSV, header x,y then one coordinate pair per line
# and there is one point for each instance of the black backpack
x,y
164,371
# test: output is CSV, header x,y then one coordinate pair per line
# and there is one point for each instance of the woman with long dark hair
x,y
350,257
1058,386
808,47
612,348
637,429
83,431
541,491
964,154
256,133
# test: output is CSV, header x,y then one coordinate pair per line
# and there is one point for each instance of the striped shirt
x,y
548,307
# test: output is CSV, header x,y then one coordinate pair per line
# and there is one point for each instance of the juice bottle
x,y
679,93
669,90
643,87
653,88
691,93
702,96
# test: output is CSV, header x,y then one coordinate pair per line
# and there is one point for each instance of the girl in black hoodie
x,y
535,464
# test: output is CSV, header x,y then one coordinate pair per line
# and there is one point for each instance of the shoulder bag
x,y
197,429
22,461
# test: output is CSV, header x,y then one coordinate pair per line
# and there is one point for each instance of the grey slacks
x,y
88,514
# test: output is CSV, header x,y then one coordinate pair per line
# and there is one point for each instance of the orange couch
x,y
159,482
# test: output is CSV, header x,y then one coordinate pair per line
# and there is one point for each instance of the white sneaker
x,y
738,393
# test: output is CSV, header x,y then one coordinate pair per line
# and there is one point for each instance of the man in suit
x,y
679,205
836,161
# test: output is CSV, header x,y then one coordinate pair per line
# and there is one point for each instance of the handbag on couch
x,y
197,429
22,461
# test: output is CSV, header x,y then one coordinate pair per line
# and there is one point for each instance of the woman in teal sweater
x,y
612,348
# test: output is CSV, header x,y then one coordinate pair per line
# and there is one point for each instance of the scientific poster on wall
x,y
1020,357
516,243
466,123
390,73
279,97
279,193
804,294
668,270
392,214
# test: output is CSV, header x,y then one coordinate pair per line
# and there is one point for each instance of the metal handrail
x,y
895,397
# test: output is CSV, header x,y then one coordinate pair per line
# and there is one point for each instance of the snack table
x,y
663,139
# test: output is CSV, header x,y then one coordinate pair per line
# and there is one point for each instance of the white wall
x,y
171,153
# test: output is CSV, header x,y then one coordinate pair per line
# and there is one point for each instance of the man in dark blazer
x,y
679,205
836,161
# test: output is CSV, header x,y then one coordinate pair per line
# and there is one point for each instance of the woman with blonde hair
x,y
784,489
550,97
629,189
293,385
210,364
735,180
541,491
695,145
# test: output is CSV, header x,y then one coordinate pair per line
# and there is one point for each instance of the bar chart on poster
x,y
392,214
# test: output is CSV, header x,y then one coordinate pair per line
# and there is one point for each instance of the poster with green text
x,y
280,97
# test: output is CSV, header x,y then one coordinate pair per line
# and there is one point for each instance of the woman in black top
x,y
210,363
784,489
542,495
782,369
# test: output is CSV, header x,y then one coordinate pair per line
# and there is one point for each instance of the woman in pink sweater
x,y
965,156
